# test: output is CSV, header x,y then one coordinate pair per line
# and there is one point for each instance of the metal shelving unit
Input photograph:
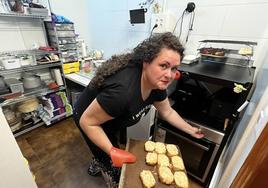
x,y
10,99
232,53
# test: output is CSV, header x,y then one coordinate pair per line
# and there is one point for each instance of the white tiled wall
x,y
214,19
105,24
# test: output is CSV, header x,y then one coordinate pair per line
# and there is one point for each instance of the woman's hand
x,y
197,133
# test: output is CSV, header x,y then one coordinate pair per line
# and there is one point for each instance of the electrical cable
x,y
181,25
191,23
155,26
178,21
150,3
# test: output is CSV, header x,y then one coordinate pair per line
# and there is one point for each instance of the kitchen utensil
x,y
16,126
9,115
14,85
31,82
28,105
26,60
58,77
2,82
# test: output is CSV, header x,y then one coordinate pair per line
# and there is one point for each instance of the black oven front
x,y
198,154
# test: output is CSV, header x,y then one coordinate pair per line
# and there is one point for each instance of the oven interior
x,y
205,103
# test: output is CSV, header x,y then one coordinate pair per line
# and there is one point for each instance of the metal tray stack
x,y
230,52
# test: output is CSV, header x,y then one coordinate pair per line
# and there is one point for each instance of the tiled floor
x,y
59,157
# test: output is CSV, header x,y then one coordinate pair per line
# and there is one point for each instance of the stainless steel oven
x,y
198,154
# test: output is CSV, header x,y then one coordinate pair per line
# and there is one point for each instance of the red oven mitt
x,y
119,157
177,75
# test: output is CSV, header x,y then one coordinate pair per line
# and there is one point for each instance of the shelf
x,y
58,117
231,42
29,68
27,129
34,16
29,52
36,93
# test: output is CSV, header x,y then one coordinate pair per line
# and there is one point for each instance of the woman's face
x,y
162,70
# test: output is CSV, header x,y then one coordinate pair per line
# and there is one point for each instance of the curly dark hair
x,y
146,51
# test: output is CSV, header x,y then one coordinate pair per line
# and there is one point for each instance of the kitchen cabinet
x,y
34,77
11,158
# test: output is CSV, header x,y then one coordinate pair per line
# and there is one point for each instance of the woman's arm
x,y
90,122
172,117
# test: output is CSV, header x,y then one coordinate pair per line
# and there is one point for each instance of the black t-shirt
x,y
120,97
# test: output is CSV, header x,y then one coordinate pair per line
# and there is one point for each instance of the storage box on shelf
x,y
71,67
25,86
62,37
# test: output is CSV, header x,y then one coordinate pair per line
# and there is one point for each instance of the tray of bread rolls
x,y
158,165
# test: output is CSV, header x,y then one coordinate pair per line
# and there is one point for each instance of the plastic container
x,y
11,63
62,33
67,47
26,60
63,26
71,65
14,85
66,40
60,26
38,11
71,70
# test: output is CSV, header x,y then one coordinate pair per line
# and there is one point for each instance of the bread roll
x,y
172,150
181,179
162,160
165,175
149,146
151,158
147,179
160,148
177,163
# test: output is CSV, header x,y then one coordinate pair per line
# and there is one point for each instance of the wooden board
x,y
130,172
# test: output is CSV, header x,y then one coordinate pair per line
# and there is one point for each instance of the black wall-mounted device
x,y
190,7
137,16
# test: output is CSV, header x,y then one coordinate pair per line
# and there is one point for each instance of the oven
x,y
198,154
205,98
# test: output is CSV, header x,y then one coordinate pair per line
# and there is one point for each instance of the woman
x,y
122,91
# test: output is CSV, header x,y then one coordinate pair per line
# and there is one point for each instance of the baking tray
x,y
211,57
130,174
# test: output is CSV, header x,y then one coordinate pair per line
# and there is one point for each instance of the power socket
x,y
165,22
